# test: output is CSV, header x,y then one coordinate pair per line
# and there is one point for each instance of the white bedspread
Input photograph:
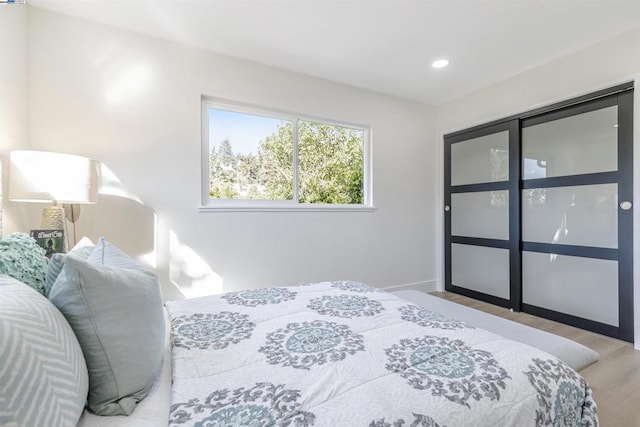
x,y
574,354
345,354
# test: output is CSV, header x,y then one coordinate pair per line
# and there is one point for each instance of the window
x,y
257,159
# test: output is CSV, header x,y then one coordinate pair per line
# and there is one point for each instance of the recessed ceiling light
x,y
440,63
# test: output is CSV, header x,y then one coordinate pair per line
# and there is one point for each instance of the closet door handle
x,y
625,206
447,208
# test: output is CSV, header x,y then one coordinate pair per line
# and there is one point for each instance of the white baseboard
x,y
428,286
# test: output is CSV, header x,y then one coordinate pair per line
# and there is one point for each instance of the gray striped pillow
x,y
43,375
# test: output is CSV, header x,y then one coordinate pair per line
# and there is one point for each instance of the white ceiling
x,y
385,46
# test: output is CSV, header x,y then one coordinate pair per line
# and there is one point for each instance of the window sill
x,y
232,207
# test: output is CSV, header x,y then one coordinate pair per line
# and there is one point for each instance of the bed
x,y
346,354
93,333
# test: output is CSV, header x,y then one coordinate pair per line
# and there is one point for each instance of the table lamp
x,y
56,178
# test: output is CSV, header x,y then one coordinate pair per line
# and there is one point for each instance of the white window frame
x,y
239,205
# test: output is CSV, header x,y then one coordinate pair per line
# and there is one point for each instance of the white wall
x,y
133,102
613,61
14,99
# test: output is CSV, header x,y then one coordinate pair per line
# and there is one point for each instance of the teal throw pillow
x,y
22,259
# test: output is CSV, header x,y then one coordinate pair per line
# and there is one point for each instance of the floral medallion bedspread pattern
x,y
346,354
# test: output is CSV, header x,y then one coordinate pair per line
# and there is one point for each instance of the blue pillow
x,y
118,317
108,254
81,250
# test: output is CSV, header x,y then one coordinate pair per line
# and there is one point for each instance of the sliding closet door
x,y
481,214
577,215
539,212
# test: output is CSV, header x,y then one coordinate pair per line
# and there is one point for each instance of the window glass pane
x,y
250,157
584,143
330,163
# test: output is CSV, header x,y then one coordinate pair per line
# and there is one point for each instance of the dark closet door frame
x,y
623,177
620,95
512,185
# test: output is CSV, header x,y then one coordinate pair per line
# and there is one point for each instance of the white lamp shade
x,y
41,176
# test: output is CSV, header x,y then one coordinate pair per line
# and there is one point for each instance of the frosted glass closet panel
x,y
582,287
538,211
582,215
480,269
481,214
580,144
483,159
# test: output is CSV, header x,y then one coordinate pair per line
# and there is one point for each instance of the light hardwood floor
x,y
614,379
